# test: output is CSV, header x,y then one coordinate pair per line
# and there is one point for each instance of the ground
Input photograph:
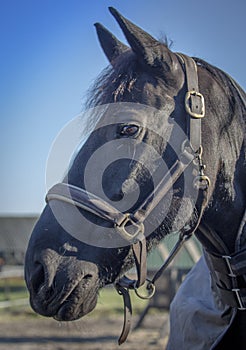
x,y
22,329
90,333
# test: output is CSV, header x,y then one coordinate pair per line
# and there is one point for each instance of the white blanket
x,y
198,319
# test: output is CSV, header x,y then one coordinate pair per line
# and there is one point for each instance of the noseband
x,y
130,225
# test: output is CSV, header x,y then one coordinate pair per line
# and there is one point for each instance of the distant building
x,y
15,232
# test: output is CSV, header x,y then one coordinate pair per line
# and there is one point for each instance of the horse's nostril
x,y
38,277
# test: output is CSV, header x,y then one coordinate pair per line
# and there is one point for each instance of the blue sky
x,y
49,56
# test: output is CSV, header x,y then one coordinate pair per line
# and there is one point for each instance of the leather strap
x,y
228,272
186,235
159,192
127,313
85,200
140,257
125,283
194,102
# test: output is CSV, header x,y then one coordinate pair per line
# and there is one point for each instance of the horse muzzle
x,y
63,288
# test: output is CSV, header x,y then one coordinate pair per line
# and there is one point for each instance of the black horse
x,y
149,104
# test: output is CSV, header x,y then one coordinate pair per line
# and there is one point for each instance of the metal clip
x,y
188,96
201,182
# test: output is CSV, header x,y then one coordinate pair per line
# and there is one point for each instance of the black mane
x,y
114,83
123,82
232,89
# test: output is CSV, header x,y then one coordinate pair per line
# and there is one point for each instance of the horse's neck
x,y
227,165
224,216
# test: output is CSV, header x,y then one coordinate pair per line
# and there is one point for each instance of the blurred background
x,y
49,57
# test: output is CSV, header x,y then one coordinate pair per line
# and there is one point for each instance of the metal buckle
x,y
234,290
187,104
227,259
239,300
132,237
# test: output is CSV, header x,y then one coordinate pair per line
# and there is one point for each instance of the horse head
x,y
139,107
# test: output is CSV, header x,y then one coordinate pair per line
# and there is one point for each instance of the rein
x,y
131,225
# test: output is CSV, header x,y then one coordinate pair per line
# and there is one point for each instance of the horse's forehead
x,y
134,113
125,112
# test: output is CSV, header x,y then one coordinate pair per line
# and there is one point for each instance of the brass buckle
x,y
127,235
187,104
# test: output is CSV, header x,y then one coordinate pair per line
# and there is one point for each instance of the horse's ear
x,y
148,49
111,46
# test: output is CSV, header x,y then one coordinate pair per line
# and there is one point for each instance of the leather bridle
x,y
191,153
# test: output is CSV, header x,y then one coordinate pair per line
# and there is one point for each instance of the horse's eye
x,y
129,130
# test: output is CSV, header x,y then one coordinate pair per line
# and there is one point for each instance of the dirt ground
x,y
90,333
